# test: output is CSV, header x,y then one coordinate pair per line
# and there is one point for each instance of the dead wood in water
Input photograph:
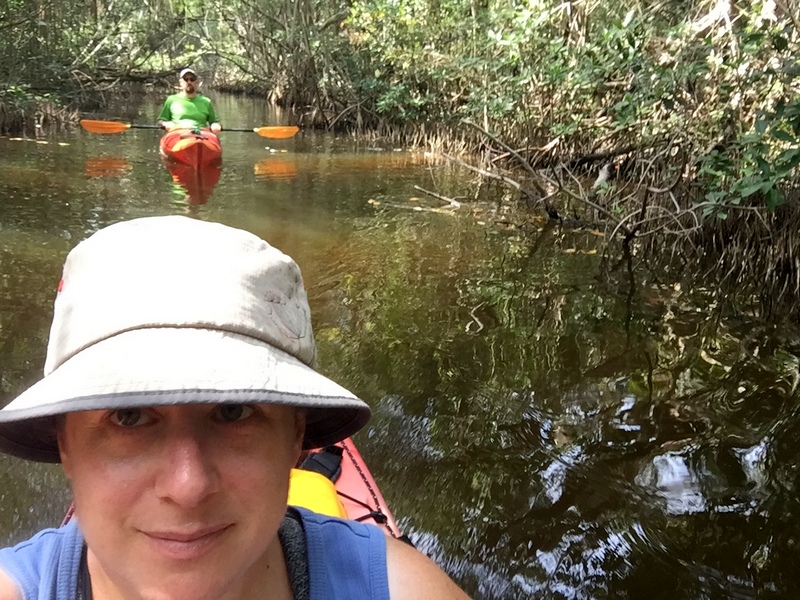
x,y
452,202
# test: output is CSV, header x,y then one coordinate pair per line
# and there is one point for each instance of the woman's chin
x,y
193,589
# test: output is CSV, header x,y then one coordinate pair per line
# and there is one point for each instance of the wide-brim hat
x,y
170,310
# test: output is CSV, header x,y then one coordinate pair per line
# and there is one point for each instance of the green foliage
x,y
759,162
18,96
717,84
63,46
21,107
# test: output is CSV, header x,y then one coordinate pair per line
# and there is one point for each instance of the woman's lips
x,y
186,545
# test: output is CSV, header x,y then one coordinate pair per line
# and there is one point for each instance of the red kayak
x,y
337,482
196,150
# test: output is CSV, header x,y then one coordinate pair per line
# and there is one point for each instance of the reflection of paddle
x,y
273,132
106,166
274,168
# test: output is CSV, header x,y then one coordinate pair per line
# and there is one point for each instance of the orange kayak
x,y
196,150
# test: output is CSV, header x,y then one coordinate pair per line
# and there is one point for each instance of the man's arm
x,y
413,576
165,116
212,119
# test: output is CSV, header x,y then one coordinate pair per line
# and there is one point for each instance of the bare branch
x,y
524,163
453,203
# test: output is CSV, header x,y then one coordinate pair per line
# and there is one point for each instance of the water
x,y
543,427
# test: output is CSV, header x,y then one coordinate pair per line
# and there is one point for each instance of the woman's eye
x,y
229,413
130,417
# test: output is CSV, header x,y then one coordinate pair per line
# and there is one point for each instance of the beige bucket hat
x,y
172,310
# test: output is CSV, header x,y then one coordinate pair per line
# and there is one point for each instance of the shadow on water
x,y
543,427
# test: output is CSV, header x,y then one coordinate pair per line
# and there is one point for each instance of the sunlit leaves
x,y
597,77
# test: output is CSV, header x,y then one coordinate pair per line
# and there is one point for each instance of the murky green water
x,y
543,427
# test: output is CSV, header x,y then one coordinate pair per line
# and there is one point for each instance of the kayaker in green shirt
x,y
188,108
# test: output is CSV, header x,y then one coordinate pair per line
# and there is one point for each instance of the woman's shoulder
x,y
9,590
49,559
412,575
46,539
346,559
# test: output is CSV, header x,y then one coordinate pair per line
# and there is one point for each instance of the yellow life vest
x,y
315,492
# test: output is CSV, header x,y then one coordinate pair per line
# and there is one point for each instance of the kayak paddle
x,y
273,132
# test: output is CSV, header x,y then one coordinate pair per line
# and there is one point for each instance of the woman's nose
x,y
188,474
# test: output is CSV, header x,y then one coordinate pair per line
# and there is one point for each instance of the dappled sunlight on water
x,y
547,424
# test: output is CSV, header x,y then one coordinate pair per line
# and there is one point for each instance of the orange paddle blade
x,y
104,126
276,133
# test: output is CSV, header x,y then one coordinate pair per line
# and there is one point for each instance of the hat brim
x,y
163,366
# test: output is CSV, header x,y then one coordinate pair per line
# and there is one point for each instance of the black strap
x,y
295,553
327,462
84,591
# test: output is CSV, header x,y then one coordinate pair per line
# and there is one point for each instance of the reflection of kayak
x,y
336,481
197,182
194,149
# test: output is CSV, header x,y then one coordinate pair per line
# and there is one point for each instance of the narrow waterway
x,y
542,427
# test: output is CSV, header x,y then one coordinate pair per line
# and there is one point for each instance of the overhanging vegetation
x,y
655,120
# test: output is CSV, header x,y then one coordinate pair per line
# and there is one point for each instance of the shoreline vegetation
x,y
672,128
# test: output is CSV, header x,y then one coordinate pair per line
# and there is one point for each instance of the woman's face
x,y
182,501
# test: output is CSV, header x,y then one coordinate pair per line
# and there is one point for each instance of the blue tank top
x,y
46,566
346,561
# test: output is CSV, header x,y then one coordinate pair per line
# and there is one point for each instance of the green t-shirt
x,y
190,112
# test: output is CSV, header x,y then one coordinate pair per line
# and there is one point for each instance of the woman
x,y
178,393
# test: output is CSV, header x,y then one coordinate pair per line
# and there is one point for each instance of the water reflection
x,y
107,166
274,167
543,427
196,184
670,478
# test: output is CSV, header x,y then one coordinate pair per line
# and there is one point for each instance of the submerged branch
x,y
484,173
453,203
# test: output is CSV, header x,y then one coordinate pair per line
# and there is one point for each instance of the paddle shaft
x,y
143,126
